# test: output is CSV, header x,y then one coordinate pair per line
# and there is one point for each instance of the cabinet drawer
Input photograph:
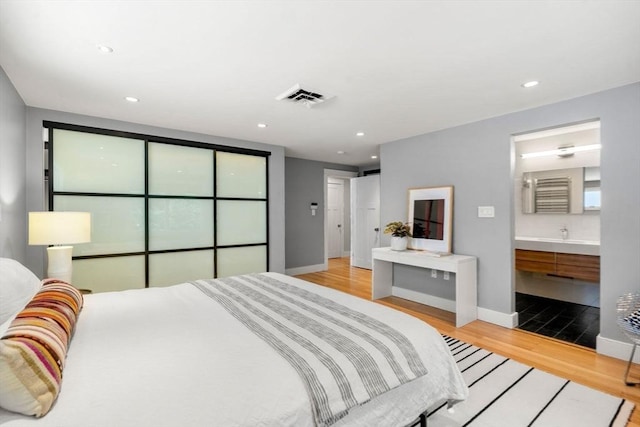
x,y
535,261
588,261
582,267
538,256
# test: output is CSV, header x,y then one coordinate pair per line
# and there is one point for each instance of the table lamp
x,y
59,228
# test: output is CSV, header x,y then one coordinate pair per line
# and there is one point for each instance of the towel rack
x,y
552,195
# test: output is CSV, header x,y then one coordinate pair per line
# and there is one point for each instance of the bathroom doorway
x,y
557,232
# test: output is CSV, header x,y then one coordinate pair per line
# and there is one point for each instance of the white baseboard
x,y
304,270
615,348
441,303
497,318
346,254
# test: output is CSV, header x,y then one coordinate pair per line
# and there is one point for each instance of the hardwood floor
x,y
580,364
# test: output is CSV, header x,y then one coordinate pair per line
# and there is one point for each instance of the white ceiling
x,y
396,68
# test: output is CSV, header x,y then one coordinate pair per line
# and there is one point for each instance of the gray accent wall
x,y
304,184
13,166
478,160
419,280
35,172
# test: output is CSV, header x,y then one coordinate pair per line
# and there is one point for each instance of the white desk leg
x,y
466,293
382,279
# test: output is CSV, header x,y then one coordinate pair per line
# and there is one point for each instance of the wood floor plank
x,y
576,363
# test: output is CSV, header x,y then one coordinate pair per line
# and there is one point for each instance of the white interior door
x,y
365,217
335,215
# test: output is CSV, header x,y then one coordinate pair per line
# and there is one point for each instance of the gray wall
x,y
477,159
304,183
13,220
35,188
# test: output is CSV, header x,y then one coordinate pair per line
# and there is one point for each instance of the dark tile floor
x,y
575,323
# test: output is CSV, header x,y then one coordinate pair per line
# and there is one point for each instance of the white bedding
x,y
171,357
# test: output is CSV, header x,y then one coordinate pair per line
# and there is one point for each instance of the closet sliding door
x,y
163,211
181,221
102,174
241,205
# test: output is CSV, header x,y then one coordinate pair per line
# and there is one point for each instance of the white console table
x,y
464,267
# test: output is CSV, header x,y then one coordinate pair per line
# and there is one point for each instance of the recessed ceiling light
x,y
131,98
374,157
340,152
105,49
360,134
532,83
262,125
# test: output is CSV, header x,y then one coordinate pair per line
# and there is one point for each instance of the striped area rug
x,y
505,393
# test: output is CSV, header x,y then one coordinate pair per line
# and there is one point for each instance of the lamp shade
x,y
59,228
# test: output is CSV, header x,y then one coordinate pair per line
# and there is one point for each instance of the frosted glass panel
x,y
234,261
178,267
91,163
117,223
180,224
109,274
241,175
241,222
180,171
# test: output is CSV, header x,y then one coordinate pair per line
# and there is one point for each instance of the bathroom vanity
x,y
576,259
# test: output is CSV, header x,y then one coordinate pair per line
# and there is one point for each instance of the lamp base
x,y
60,262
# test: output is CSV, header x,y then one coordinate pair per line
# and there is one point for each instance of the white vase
x,y
399,243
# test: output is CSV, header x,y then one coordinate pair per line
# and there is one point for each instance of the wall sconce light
x,y
314,208
59,228
562,151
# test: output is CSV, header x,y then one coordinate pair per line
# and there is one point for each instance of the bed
x,y
222,353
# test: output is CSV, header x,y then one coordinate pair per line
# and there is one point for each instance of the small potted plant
x,y
400,233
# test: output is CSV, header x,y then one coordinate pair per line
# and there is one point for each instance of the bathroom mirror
x,y
561,191
592,188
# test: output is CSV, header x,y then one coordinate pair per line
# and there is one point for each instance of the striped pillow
x,y
33,350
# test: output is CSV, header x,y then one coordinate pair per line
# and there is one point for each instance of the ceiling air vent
x,y
297,95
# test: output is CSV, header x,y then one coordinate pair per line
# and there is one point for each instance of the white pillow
x,y
17,286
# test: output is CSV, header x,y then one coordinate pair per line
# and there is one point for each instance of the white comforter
x,y
170,357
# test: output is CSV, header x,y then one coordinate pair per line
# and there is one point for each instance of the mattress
x,y
171,356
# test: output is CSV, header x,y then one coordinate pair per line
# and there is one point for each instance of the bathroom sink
x,y
571,246
552,240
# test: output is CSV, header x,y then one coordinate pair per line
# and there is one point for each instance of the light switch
x,y
486,212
